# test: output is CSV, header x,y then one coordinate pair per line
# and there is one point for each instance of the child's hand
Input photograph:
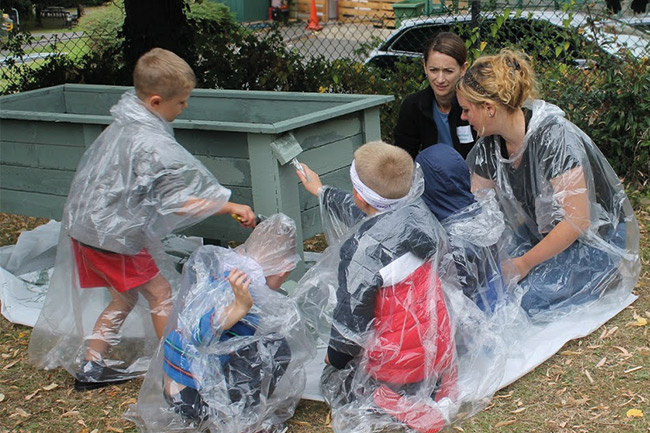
x,y
313,185
514,270
240,283
244,214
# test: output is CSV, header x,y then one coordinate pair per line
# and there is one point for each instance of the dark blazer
x,y
416,129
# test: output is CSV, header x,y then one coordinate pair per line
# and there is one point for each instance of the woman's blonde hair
x,y
384,168
506,78
163,73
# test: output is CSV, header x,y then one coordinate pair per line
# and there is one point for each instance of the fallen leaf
x,y
633,369
51,386
2,397
11,364
6,356
458,428
601,362
114,429
589,376
623,350
128,401
22,413
634,413
30,396
640,321
570,353
611,332
521,409
70,413
81,422
95,431
505,423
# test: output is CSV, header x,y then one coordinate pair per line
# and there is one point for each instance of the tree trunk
x,y
156,23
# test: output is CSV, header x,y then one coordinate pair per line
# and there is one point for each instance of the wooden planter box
x,y
44,132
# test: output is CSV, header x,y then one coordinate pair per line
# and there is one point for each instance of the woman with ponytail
x,y
575,236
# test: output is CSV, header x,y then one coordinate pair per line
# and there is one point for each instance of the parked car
x,y
562,36
639,22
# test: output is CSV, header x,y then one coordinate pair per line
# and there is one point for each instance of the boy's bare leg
x,y
109,322
158,292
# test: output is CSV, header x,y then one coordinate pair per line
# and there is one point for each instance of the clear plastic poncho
x,y
560,177
133,186
407,349
242,379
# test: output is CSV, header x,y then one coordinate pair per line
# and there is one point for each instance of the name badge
x,y
464,134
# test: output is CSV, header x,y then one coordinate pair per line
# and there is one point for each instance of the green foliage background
x,y
610,100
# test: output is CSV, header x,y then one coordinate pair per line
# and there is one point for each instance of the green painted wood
x,y
310,222
40,180
334,155
275,187
324,133
93,100
339,178
228,171
371,125
45,147
39,155
221,227
213,143
30,131
32,204
263,112
53,96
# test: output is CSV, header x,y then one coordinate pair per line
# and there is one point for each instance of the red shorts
x,y
100,268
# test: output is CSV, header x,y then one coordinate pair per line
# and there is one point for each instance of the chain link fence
x,y
383,37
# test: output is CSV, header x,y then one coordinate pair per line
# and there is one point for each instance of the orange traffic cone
x,y
313,18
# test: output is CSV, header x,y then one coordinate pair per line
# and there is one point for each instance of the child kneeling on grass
x,y
391,342
233,355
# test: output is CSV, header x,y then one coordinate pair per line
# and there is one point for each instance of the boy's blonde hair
x,y
384,168
163,73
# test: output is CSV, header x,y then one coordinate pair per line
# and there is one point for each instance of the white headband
x,y
371,197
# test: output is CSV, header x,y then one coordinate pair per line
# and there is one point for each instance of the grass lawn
x,y
590,386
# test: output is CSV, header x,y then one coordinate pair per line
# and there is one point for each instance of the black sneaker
x,y
188,403
94,375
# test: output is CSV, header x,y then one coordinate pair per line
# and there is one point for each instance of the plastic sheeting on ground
x,y
26,269
25,272
245,378
487,339
406,346
108,299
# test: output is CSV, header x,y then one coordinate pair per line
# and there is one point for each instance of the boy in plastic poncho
x,y
133,186
231,340
391,346
475,229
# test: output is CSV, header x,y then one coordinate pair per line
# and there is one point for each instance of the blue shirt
x,y
442,123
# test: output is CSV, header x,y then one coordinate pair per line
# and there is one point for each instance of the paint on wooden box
x,y
43,134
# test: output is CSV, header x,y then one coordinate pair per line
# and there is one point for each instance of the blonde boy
x,y
390,334
133,186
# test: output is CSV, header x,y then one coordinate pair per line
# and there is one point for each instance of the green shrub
x,y
611,103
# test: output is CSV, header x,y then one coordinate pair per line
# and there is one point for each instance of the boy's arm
x,y
241,212
243,302
338,210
